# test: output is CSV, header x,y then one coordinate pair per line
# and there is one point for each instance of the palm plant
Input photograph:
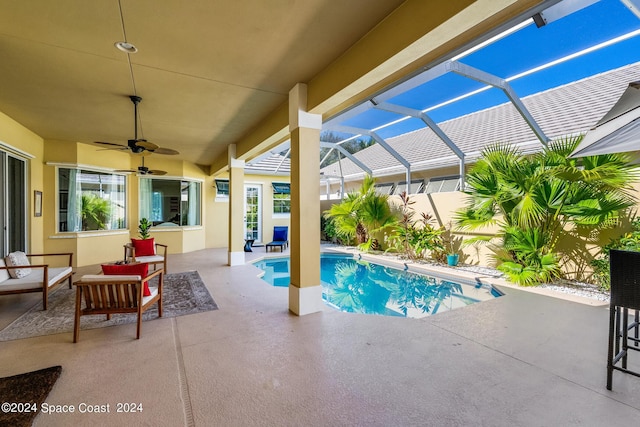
x,y
362,215
376,216
94,212
346,219
535,199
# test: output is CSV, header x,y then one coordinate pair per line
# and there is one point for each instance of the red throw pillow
x,y
140,269
145,247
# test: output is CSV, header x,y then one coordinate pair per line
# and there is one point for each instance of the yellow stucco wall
x,y
218,211
106,245
216,215
269,220
442,207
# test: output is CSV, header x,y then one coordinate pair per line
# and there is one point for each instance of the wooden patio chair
x,y
160,256
111,294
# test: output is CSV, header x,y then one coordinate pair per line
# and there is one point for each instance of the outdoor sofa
x,y
24,277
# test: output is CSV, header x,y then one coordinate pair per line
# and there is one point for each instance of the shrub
x,y
415,238
628,242
536,199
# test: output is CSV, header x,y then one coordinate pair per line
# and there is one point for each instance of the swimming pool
x,y
360,286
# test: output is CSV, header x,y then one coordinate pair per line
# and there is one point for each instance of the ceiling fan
x,y
143,170
138,145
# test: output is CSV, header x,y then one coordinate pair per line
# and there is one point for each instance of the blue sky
x,y
528,48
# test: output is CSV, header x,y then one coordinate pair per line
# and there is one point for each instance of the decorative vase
x,y
452,259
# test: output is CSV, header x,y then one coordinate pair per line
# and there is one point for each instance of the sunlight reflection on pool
x,y
359,286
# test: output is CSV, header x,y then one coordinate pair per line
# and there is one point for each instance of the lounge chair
x,y
280,238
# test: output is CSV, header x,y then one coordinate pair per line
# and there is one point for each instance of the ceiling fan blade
x,y
124,170
113,149
162,150
156,172
146,145
110,144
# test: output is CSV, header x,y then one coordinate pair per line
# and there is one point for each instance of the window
x,y
442,184
222,190
281,197
414,188
384,189
168,202
90,200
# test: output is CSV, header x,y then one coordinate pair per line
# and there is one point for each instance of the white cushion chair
x,y
160,256
18,275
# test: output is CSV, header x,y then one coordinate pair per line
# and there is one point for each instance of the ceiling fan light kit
x,y
143,170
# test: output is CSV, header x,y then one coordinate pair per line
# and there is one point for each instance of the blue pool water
x,y
360,286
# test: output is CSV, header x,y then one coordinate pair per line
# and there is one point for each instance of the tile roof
x,y
565,110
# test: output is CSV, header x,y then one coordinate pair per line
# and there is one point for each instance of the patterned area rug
x,y
183,293
31,389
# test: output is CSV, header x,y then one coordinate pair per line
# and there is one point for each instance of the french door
x,y
253,212
13,204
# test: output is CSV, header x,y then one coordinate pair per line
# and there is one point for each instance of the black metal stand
x,y
619,340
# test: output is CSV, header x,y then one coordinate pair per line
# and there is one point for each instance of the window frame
x,y
443,181
97,170
181,181
274,193
221,196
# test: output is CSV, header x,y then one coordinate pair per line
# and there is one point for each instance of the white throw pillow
x,y
4,274
18,259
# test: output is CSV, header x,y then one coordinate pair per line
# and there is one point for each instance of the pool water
x,y
360,286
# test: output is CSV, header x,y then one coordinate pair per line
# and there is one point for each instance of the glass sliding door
x,y
253,212
13,204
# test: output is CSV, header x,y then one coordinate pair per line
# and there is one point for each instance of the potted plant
x,y
452,256
452,259
143,228
145,246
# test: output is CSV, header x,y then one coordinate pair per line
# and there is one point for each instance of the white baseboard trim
x,y
303,301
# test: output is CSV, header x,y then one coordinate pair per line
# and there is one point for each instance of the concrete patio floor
x,y
520,360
